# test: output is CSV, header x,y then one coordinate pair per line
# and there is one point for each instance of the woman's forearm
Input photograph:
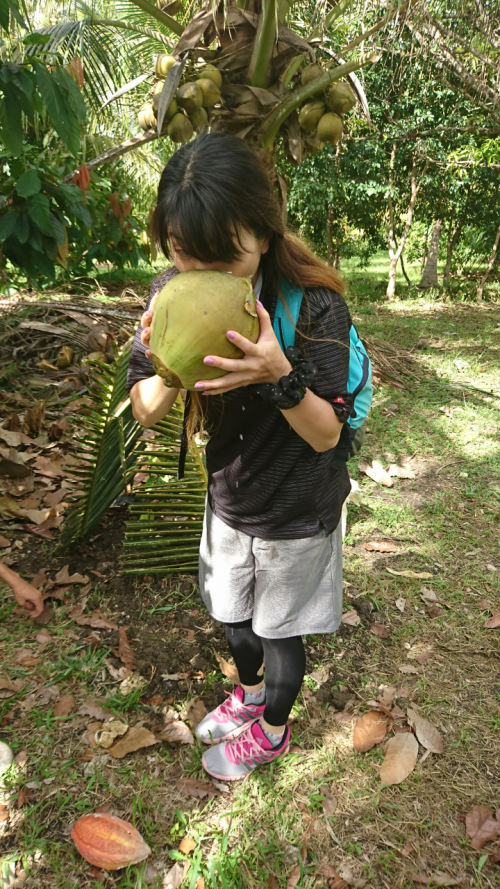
x,y
315,421
151,400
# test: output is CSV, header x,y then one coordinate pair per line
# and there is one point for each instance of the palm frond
x,y
106,449
164,531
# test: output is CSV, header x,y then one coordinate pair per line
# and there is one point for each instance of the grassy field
x,y
323,806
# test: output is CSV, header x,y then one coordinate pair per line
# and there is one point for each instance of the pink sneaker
x,y
234,759
228,719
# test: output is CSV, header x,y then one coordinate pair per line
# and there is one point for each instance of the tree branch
x,y
112,153
162,17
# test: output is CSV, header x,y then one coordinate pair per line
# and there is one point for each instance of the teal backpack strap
x,y
283,324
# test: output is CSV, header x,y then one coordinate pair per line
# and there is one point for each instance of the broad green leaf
x,y
49,247
28,184
75,97
34,39
22,228
11,132
38,206
58,227
8,223
6,8
61,116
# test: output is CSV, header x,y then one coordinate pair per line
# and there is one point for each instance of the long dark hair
x,y
211,191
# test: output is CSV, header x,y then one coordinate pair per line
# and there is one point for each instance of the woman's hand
x,y
146,321
262,362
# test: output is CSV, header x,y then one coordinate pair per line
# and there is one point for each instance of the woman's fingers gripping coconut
x,y
262,362
146,321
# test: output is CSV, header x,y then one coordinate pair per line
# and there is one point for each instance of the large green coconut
x,y
190,97
210,91
213,74
309,116
192,316
310,73
199,119
340,98
330,128
180,128
163,63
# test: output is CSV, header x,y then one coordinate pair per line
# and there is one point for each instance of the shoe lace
x,y
246,746
229,707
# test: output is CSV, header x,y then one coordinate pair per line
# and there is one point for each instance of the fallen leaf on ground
x,y
43,637
421,575
198,789
135,739
9,687
63,576
344,717
176,875
493,621
4,541
380,546
95,709
377,473
351,618
96,620
387,695
196,711
200,883
427,733
329,802
368,731
400,604
64,706
293,877
424,656
187,845
427,594
400,758
481,826
124,651
45,617
433,611
380,630
271,883
227,669
437,879
335,881
408,668
401,471
174,677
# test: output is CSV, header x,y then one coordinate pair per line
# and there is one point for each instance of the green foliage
x,y
36,211
106,450
163,535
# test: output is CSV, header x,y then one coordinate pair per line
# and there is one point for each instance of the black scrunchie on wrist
x,y
291,389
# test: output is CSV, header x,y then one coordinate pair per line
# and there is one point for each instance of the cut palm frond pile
x,y
391,363
105,449
163,534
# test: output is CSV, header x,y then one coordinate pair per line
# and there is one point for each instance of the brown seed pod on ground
x,y
210,91
340,98
108,842
190,97
213,74
309,115
180,128
330,128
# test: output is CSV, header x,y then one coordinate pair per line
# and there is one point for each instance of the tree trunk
x,y
404,270
337,256
480,289
329,235
430,276
395,251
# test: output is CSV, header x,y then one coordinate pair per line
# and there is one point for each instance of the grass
x,y
445,522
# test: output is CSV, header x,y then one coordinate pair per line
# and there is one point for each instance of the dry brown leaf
x,y
401,471
43,637
400,604
422,575
175,732
95,709
63,576
4,541
196,711
64,706
200,883
187,845
387,695
377,473
227,669
408,668
475,819
9,687
135,739
397,712
199,789
493,622
334,880
368,731
380,546
176,875
96,620
293,877
271,883
427,733
329,802
124,651
351,618
437,879
344,717
380,630
400,758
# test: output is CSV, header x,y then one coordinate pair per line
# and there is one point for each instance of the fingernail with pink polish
x,y
231,334
259,303
208,361
198,385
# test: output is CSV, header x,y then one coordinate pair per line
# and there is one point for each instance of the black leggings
x,y
285,667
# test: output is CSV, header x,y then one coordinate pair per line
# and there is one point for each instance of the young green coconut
x,y
193,314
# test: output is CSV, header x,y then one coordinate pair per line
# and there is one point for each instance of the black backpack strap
x,y
184,439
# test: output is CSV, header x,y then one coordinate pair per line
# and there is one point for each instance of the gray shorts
x,y
287,587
